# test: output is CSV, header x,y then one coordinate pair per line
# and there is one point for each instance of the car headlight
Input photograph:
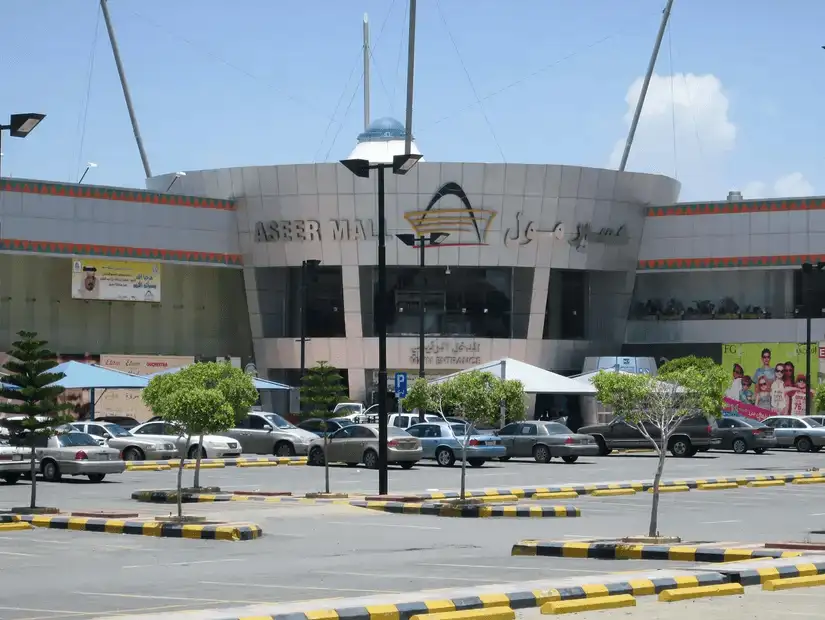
x,y
168,446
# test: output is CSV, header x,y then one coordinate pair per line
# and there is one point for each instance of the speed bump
x,y
471,511
618,601
612,492
684,594
818,480
485,613
557,495
794,582
717,486
671,488
623,551
766,483
131,466
147,528
13,527
217,465
257,464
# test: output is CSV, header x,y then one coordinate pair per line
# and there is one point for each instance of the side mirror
x,y
267,428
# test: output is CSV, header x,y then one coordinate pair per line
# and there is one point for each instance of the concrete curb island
x,y
480,511
271,461
611,550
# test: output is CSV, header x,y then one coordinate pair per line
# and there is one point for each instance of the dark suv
x,y
693,435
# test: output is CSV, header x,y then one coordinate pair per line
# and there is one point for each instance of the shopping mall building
x,y
543,263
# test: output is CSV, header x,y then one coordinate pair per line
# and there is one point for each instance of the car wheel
x,y
316,457
541,453
407,465
445,457
476,462
11,478
51,471
759,450
284,448
133,454
96,477
193,452
371,459
739,446
681,448
570,458
504,459
803,444
603,449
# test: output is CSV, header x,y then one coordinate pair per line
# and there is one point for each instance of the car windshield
x,y
76,439
278,421
812,422
347,409
554,428
117,430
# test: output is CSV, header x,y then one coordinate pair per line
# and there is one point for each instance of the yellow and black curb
x,y
13,523
236,462
189,497
754,576
470,512
514,600
610,550
588,489
234,532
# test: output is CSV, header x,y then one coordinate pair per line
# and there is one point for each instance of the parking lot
x,y
329,551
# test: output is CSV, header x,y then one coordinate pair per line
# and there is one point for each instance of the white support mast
x,y
645,84
366,71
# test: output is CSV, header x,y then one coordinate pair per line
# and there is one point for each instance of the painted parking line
x,y
296,587
533,568
360,523
393,576
189,563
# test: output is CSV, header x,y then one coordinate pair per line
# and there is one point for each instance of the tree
x,y
33,395
233,389
322,387
419,396
475,396
511,393
656,406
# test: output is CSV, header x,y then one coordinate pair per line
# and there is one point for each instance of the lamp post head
x,y
21,125
91,164
402,164
358,167
312,263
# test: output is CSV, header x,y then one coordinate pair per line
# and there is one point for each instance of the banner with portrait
x,y
768,378
115,280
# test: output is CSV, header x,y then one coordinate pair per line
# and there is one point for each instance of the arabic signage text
x,y
451,354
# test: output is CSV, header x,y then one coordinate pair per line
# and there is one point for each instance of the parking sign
x,y
400,384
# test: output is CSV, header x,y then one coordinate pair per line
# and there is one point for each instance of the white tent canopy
x,y
535,380
589,376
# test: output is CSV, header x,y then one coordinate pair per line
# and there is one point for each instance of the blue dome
x,y
383,130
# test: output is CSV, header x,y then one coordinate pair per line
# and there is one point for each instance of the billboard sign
x,y
115,280
768,378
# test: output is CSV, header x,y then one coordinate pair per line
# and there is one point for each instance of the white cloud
x,y
791,185
699,107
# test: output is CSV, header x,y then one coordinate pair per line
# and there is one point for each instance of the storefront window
x,y
458,301
565,316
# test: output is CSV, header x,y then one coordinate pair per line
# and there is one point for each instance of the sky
x,y
734,103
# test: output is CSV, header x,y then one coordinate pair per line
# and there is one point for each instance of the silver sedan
x,y
544,440
358,443
132,448
76,454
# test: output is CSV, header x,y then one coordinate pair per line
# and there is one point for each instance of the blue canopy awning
x,y
260,384
91,376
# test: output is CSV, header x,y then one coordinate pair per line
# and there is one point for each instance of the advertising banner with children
x,y
768,378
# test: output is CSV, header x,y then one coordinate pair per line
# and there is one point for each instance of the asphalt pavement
x,y
327,550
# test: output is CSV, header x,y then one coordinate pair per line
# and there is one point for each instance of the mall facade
x,y
543,263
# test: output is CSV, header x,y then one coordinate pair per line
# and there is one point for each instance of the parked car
x,y
442,441
121,420
479,426
214,446
268,433
131,447
692,434
544,440
316,425
76,454
14,462
741,434
803,433
358,443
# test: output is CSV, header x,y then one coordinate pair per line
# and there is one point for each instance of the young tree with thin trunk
x,y
657,405
322,387
33,396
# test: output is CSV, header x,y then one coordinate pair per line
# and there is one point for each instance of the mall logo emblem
x,y
465,226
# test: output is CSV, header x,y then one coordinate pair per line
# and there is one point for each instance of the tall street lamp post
x,y
807,304
307,268
21,125
401,164
411,240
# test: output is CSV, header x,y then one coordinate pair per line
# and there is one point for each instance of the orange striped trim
x,y
727,262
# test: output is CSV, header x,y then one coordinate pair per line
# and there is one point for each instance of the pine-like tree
x,y
322,387
28,387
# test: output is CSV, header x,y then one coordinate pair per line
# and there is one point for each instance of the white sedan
x,y
214,446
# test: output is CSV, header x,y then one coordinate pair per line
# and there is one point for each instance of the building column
x,y
538,303
350,278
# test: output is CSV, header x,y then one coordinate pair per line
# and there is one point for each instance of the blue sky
x,y
256,82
